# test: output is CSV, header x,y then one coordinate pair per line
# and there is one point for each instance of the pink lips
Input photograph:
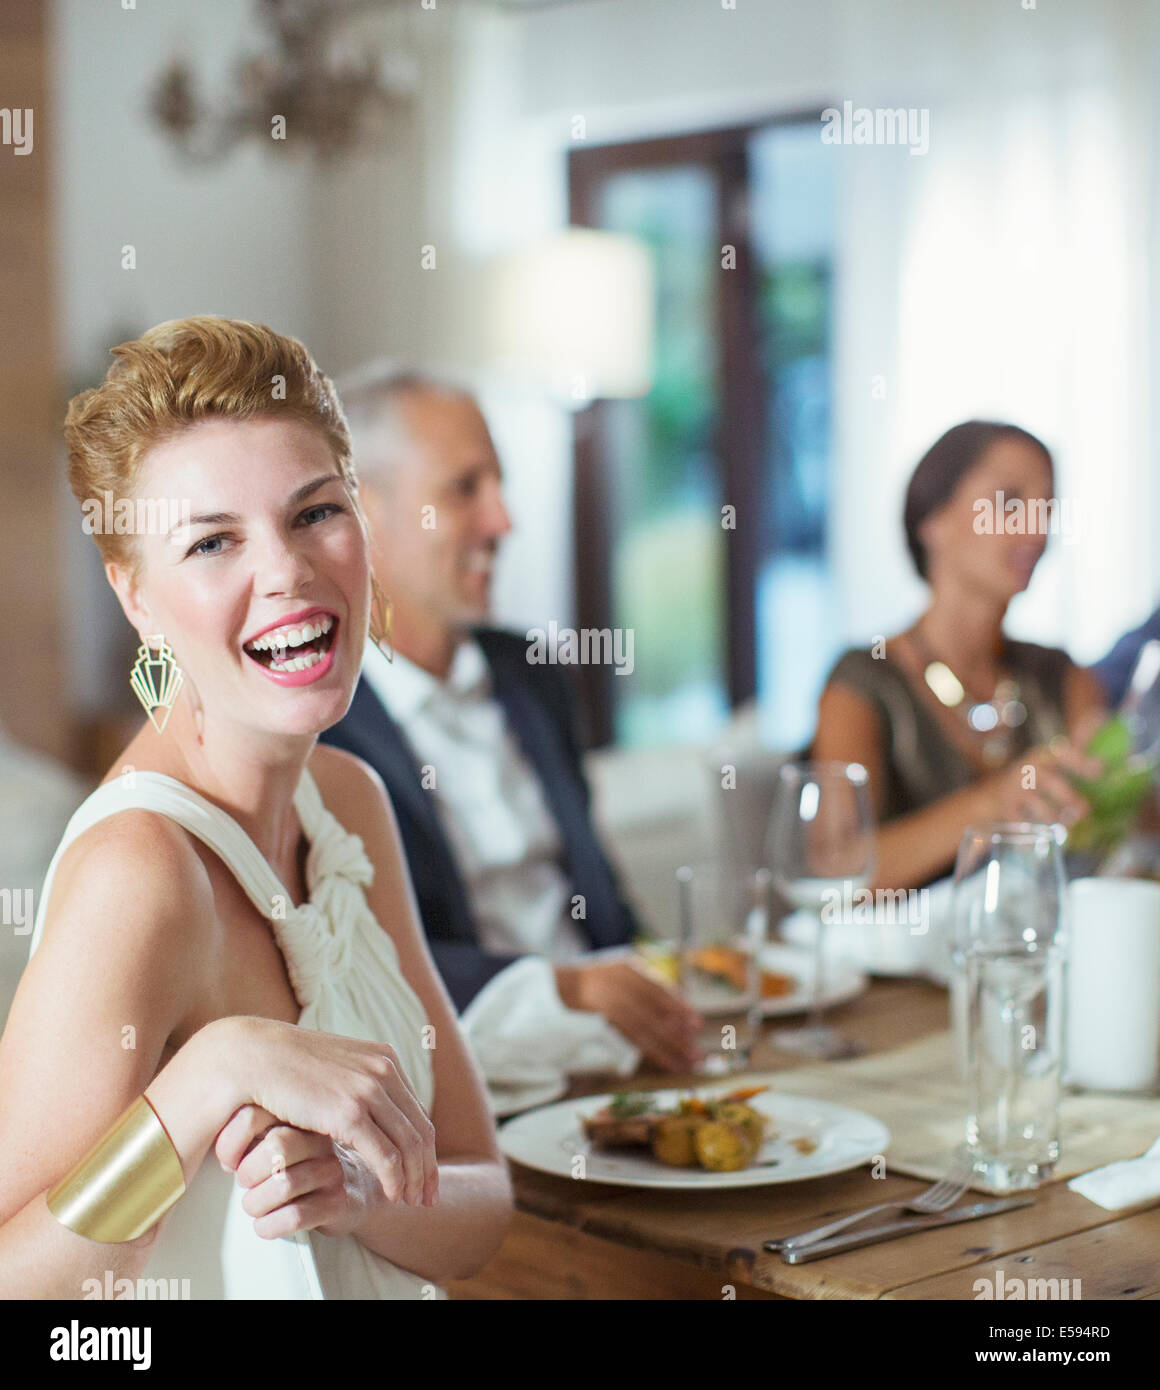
x,y
312,673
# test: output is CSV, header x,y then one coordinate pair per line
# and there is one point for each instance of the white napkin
x,y
1122,1184
525,1039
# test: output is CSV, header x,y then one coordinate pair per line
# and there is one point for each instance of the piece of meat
x,y
610,1131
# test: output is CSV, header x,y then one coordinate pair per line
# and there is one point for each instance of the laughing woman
x,y
230,1060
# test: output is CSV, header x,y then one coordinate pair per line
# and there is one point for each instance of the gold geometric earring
x,y
156,679
382,619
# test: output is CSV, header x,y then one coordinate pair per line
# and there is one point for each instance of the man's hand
x,y
649,1014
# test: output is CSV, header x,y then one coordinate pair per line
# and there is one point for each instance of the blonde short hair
x,y
181,372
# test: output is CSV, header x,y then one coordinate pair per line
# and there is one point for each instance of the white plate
x,y
552,1139
842,980
887,946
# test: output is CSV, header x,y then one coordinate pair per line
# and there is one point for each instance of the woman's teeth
x,y
298,663
290,636
278,642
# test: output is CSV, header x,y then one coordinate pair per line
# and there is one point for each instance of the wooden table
x,y
584,1240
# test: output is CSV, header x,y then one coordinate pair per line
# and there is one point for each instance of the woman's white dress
x,y
345,973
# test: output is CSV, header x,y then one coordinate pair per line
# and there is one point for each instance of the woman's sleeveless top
x,y
345,973
922,762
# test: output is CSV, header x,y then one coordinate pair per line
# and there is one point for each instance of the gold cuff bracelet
x,y
125,1183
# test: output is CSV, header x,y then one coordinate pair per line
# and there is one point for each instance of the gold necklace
x,y
994,719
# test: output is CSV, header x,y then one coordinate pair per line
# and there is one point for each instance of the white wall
x,y
464,174
232,238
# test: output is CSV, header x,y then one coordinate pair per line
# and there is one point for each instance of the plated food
x,y
787,972
722,1134
803,1137
723,965
728,966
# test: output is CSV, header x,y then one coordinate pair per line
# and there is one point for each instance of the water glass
x,y
724,923
1009,947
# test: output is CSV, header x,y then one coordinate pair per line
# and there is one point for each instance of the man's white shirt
x,y
492,808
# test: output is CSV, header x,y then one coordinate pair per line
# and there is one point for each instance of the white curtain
x,y
1002,274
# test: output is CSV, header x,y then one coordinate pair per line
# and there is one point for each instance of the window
x,y
701,509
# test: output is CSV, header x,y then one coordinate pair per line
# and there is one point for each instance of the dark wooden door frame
x,y
740,442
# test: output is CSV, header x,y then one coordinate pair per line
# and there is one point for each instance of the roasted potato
x,y
750,1120
673,1140
724,1148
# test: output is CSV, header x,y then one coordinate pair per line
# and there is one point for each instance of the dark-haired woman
x,y
956,723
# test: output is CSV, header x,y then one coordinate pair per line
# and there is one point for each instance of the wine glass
x,y
821,851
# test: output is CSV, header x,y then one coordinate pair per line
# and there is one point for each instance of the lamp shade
x,y
575,314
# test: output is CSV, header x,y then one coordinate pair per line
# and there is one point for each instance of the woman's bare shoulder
x,y
114,975
350,788
134,873
123,948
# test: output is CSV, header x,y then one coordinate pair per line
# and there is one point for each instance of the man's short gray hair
x,y
370,398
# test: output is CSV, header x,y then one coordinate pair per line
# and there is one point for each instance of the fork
x,y
939,1197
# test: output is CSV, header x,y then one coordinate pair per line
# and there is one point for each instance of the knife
x,y
873,1234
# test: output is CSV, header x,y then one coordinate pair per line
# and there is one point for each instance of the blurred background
x,y
707,415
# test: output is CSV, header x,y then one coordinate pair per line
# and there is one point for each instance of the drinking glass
x,y
1009,946
820,848
724,919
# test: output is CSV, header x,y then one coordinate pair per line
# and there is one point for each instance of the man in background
x,y
477,747
1114,671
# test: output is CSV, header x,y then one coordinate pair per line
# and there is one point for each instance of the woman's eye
x,y
200,547
321,512
215,545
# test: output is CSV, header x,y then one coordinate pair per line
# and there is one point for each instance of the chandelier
x,y
306,89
